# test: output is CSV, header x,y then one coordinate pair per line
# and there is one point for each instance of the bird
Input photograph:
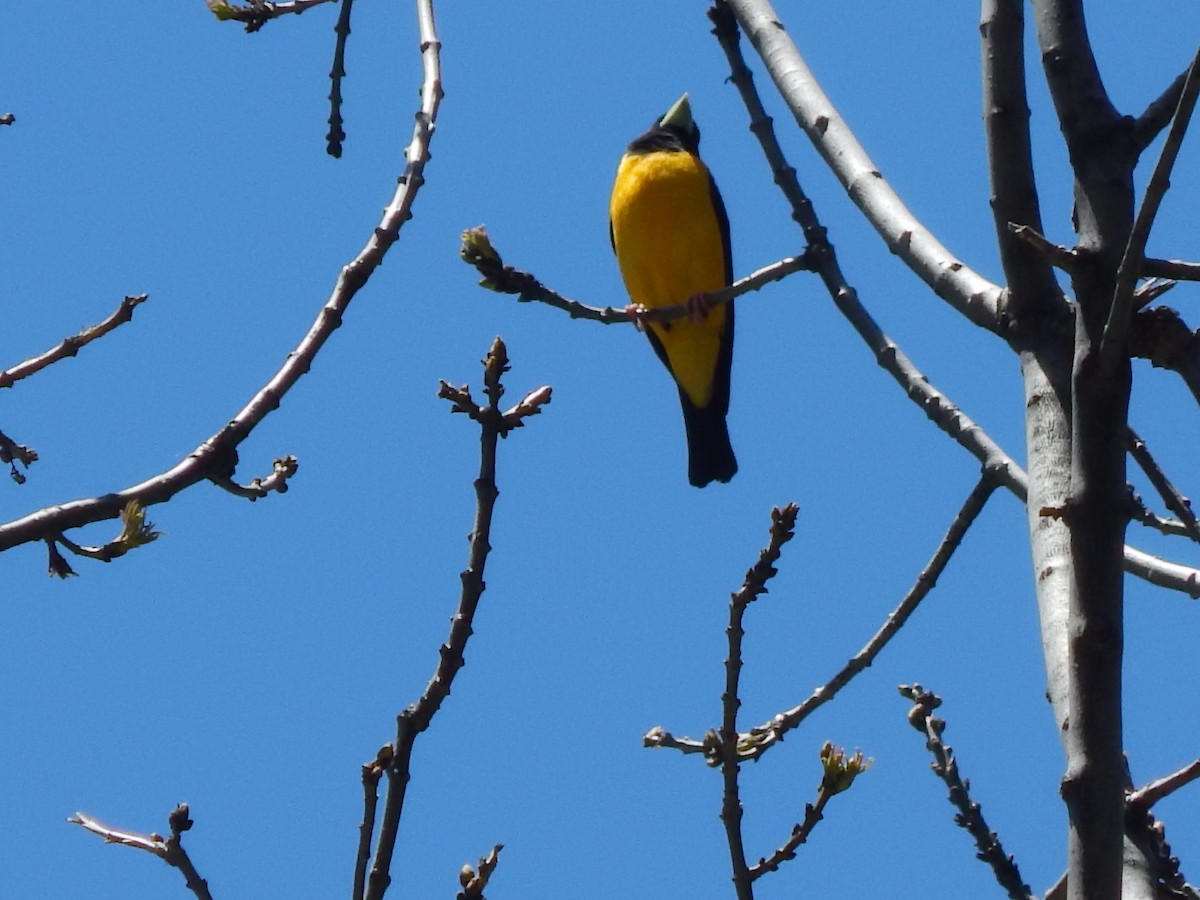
x,y
670,233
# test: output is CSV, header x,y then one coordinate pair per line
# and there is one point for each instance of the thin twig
x,y
1057,255
282,469
756,741
473,880
216,458
783,525
1149,794
337,72
136,531
1159,113
1143,516
970,816
1175,501
1112,343
371,773
769,733
71,346
169,851
1178,269
417,717
838,773
477,251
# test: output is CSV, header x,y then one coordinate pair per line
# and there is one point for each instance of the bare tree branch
x,y
757,740
838,772
1159,113
783,525
372,772
474,881
1032,287
169,851
970,815
494,423
71,346
477,251
966,290
1146,796
1174,500
1102,151
1144,516
216,458
1065,258
1179,269
1112,344
337,72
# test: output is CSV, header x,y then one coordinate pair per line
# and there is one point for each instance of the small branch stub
x,y
472,880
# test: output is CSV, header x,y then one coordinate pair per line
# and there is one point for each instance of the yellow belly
x,y
669,247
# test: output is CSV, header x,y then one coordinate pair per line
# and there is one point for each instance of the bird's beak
x,y
679,115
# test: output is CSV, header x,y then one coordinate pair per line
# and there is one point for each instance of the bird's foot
x,y
697,307
637,313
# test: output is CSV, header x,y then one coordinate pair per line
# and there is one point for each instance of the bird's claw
x,y
637,313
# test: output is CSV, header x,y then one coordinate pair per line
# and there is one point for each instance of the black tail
x,y
710,455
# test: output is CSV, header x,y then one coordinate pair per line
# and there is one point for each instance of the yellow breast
x,y
669,247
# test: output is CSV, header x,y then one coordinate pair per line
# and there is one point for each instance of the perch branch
x,y
477,251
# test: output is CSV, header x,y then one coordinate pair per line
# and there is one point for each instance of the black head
x,y
674,131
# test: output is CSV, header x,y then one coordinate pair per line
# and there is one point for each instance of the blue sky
x,y
252,659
